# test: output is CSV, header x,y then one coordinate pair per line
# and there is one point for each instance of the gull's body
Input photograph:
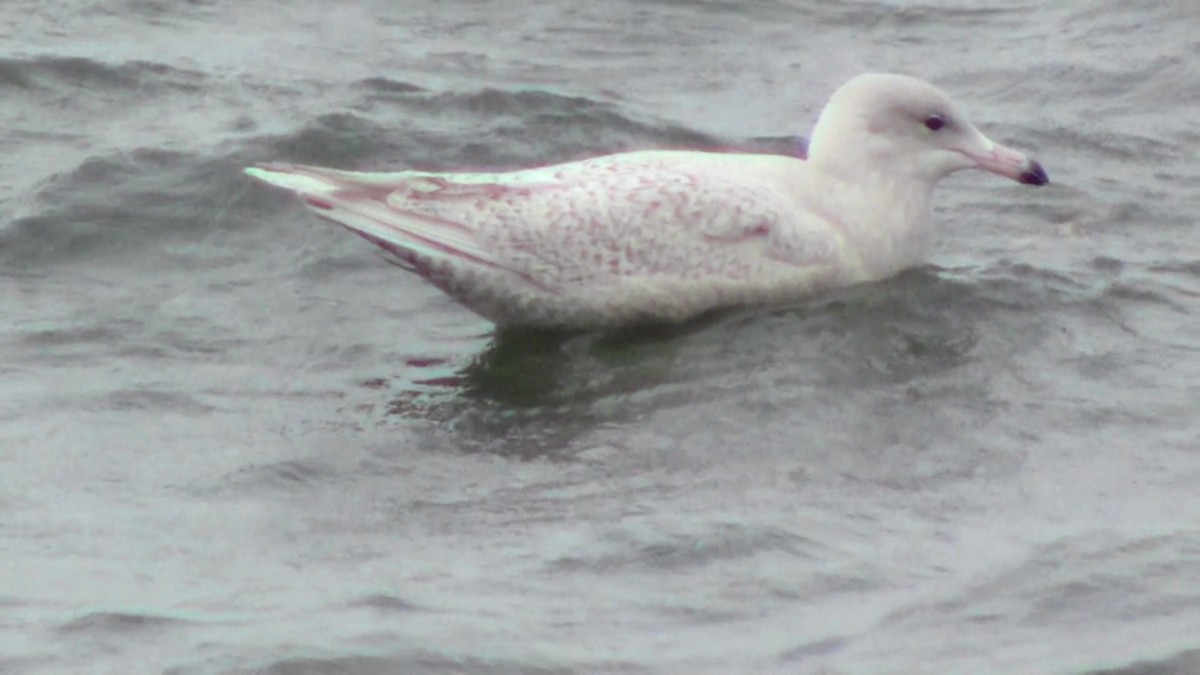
x,y
666,235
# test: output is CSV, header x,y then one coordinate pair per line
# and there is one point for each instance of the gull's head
x,y
907,127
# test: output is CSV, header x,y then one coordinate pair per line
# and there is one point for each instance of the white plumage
x,y
666,235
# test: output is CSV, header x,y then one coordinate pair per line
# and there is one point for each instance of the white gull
x,y
666,235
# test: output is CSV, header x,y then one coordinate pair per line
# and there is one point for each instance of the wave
x,y
1187,661
110,204
414,664
76,73
117,622
122,201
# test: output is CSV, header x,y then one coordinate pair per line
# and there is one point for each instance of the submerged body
x,y
666,235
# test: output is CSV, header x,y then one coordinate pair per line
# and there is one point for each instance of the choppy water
x,y
233,440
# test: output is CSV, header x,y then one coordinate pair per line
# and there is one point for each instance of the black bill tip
x,y
1034,175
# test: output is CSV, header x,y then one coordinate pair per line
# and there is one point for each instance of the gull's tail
x,y
359,202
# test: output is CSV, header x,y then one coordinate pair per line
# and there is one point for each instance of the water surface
x,y
234,440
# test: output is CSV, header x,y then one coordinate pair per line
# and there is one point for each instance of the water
x,y
234,440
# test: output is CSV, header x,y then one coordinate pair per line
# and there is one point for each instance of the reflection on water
x,y
531,392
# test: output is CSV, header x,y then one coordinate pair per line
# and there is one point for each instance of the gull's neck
x,y
883,213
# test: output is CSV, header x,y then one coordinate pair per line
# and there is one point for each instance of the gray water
x,y
234,440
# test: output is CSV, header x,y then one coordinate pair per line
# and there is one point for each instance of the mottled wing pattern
x,y
598,222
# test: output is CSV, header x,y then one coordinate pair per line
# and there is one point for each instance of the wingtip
x,y
287,176
259,170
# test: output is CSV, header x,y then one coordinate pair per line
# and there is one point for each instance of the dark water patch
x,y
1140,291
572,127
1048,215
1133,93
387,87
31,137
1117,24
696,616
82,333
1111,146
789,146
121,203
768,8
409,664
15,73
385,602
160,12
288,475
1186,268
486,130
532,393
858,14
815,649
154,400
333,267
521,104
1022,286
903,335
1124,213
118,330
121,623
202,345
341,140
1090,580
69,74
499,129
29,664
11,601
911,20
669,551
913,327
1107,265
991,82
519,368
965,15
1186,662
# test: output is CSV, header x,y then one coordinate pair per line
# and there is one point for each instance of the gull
x,y
665,235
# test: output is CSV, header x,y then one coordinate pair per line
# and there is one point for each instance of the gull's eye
x,y
935,122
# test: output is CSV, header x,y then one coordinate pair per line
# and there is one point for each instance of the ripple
x,y
483,129
156,400
82,75
387,603
667,551
336,139
116,622
531,393
385,86
414,664
286,475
